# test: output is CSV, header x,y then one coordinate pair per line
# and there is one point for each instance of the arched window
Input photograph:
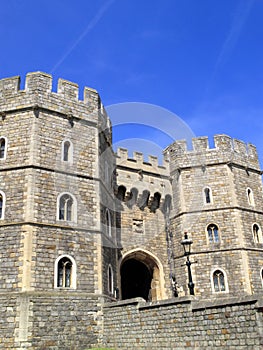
x,y
106,171
132,197
67,151
2,148
219,281
2,204
108,222
212,233
121,193
250,196
155,202
66,207
207,195
257,233
110,279
65,272
144,200
167,204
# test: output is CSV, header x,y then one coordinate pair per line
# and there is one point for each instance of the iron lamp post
x,y
186,243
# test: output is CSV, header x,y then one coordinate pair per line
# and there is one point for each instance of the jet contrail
x,y
238,22
235,30
89,27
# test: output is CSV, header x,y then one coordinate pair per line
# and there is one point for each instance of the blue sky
x,y
202,60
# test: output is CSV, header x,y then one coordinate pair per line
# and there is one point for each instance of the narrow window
x,y
250,197
106,171
66,208
67,151
144,199
1,206
212,232
257,234
2,148
110,280
155,202
167,205
132,197
65,272
108,222
207,195
219,281
121,193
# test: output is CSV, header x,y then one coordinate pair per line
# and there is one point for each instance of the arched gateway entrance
x,y
141,276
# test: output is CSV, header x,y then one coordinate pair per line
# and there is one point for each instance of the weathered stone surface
x,y
182,324
124,209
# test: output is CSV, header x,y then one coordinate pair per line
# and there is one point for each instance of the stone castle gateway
x,y
91,240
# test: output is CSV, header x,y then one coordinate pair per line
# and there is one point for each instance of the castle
x,y
91,240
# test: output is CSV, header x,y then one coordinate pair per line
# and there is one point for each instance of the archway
x,y
141,276
135,280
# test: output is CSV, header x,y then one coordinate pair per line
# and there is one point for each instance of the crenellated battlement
x,y
65,100
9,86
138,163
142,183
89,237
38,93
226,150
42,83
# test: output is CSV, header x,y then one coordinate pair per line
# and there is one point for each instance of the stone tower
x,y
82,227
58,253
217,199
143,195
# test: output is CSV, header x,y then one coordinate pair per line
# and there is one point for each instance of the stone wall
x,y
184,323
74,321
143,226
38,321
7,320
10,255
105,231
228,170
36,123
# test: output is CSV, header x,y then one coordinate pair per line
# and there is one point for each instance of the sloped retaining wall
x,y
184,323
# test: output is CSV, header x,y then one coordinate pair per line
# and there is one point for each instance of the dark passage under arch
x,y
135,280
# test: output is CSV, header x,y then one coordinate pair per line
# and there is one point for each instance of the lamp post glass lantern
x,y
186,243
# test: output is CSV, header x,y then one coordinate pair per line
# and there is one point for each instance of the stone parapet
x,y
137,162
234,323
28,320
38,94
226,150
